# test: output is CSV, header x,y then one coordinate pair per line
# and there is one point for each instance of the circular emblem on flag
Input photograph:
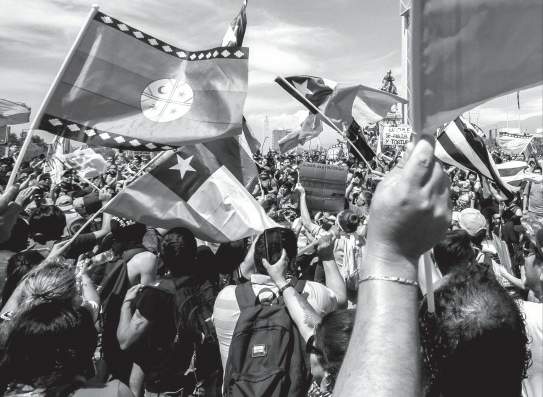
x,y
166,100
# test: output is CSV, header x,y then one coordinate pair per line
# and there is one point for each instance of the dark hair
x,y
270,244
18,240
50,346
332,337
178,251
127,231
454,251
348,220
18,266
475,344
47,223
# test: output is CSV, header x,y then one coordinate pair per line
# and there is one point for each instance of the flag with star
x,y
124,88
200,187
311,128
341,103
236,30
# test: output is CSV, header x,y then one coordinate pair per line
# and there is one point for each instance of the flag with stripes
x,y
513,143
459,145
125,89
236,30
310,128
356,136
200,187
341,103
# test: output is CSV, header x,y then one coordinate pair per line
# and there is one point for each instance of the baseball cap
x,y
472,221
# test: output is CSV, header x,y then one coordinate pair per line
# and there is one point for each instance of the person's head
x,y
47,223
534,265
328,346
18,240
475,343
18,266
472,177
52,283
292,178
348,221
537,170
127,231
474,223
270,245
454,251
178,251
50,346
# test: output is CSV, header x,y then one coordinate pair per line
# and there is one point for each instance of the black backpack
x,y
190,351
267,354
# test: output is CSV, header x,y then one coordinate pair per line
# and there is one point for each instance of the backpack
x,y
267,354
112,291
180,357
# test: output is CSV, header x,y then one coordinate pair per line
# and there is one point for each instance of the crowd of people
x,y
402,293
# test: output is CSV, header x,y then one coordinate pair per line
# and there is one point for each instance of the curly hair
x,y
475,343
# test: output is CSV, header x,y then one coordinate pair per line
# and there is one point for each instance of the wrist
x,y
381,259
280,282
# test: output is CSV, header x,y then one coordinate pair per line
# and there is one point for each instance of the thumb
x,y
283,255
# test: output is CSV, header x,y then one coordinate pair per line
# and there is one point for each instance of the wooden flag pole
x,y
37,117
325,118
106,205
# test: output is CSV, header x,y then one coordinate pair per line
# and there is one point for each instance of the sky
x,y
350,41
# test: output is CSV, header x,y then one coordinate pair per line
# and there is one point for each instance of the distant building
x,y
277,135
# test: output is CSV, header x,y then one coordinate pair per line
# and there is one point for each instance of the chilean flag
x,y
199,187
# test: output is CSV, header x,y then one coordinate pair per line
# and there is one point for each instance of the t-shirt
x,y
226,310
115,388
535,198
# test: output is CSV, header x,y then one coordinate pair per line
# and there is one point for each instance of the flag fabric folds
x,y
467,52
86,162
356,136
310,128
341,103
12,113
124,88
197,187
459,145
513,143
513,172
236,30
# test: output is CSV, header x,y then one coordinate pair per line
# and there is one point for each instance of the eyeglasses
x,y
311,349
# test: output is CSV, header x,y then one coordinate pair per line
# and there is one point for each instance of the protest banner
x,y
86,162
324,185
396,136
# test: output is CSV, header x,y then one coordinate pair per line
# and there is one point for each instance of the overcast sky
x,y
343,40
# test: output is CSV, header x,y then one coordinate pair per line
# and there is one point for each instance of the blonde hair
x,y
54,282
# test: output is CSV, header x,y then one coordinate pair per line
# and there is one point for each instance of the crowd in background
x,y
127,309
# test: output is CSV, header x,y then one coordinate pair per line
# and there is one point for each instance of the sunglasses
x,y
310,347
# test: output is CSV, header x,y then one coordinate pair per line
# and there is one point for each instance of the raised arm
x,y
304,212
409,215
301,312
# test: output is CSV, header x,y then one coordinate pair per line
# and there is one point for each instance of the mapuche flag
x,y
124,88
197,187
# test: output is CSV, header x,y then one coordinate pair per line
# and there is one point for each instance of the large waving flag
x,y
12,113
236,30
200,187
465,52
124,88
310,128
341,103
459,145
513,143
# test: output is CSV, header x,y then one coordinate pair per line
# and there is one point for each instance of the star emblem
x,y
302,87
183,165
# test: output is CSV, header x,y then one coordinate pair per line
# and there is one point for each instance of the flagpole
x,y
415,112
47,97
106,205
326,120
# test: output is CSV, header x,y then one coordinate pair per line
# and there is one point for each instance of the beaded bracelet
x,y
388,278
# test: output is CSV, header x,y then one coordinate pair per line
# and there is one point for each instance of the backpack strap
x,y
245,295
